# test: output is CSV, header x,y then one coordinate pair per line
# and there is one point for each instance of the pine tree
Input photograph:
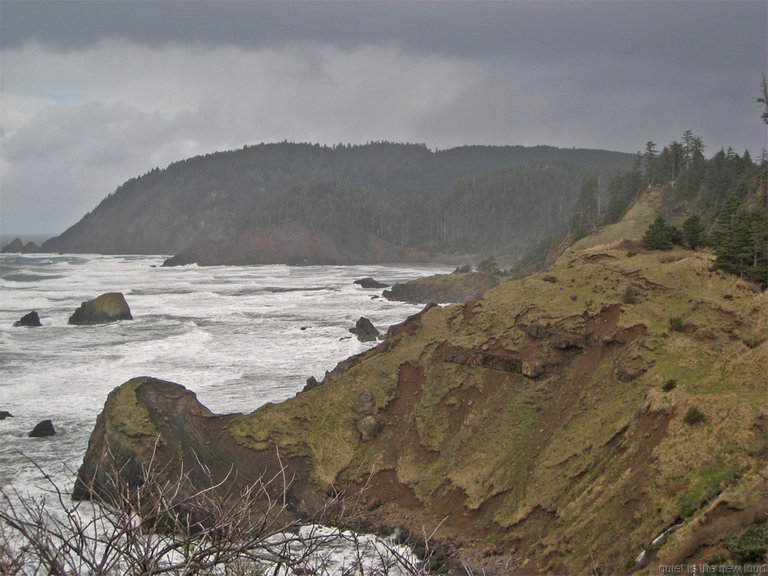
x,y
693,232
657,236
585,212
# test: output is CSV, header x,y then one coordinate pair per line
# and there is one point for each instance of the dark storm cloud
x,y
93,93
675,33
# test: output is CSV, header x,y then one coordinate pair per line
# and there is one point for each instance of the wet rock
x,y
31,319
365,330
369,282
13,247
5,414
179,260
42,430
109,307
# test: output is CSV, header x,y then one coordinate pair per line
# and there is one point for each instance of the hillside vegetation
x,y
561,422
379,202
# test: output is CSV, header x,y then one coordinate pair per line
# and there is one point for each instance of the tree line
x,y
720,202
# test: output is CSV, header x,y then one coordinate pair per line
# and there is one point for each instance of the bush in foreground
x,y
158,527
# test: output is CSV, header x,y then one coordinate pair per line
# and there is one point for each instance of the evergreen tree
x,y
741,242
657,235
585,212
649,159
693,232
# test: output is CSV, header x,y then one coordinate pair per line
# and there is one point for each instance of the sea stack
x,y
43,430
31,319
109,307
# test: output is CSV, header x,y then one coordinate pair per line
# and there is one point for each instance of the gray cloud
x,y
94,93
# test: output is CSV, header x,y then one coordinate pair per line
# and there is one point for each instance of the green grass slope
x,y
568,418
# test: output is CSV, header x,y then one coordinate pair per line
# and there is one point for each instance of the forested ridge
x,y
720,203
480,200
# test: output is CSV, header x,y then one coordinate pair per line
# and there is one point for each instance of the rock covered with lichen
x,y
109,307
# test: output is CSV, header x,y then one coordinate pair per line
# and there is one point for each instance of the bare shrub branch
x,y
163,523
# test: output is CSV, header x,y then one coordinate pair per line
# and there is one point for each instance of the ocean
x,y
238,336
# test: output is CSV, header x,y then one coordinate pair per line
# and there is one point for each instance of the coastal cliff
x,y
561,422
292,203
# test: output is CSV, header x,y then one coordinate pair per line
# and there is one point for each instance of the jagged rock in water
x,y
109,307
13,247
179,260
18,246
42,430
369,282
5,414
31,319
365,330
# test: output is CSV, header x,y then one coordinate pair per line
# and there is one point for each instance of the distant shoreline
x,y
36,238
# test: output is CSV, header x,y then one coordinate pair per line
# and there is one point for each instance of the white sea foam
x,y
237,336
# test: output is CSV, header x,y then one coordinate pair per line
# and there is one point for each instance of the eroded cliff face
x,y
543,426
292,243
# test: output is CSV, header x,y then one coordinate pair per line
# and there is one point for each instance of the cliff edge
x,y
609,415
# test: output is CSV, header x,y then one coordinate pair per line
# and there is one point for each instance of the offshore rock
x,y
109,307
15,246
31,319
5,414
369,282
42,430
365,330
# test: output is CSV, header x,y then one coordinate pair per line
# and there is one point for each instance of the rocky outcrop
x,y
365,330
370,283
158,426
445,288
43,430
369,427
5,414
18,246
534,418
110,307
31,319
13,247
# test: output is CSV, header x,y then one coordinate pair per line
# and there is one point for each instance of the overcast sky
x,y
94,93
